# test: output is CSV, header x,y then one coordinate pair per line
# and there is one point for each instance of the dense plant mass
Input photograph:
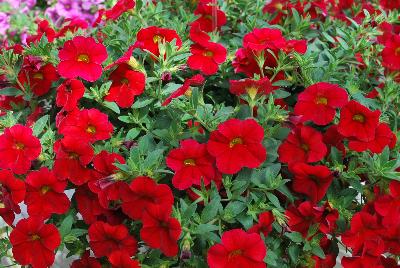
x,y
222,134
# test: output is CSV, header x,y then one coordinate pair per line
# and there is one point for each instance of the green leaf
x,y
132,134
211,209
205,228
112,106
66,225
10,91
295,237
141,103
40,124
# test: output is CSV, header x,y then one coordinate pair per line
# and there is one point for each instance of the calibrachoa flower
x,y
211,17
206,57
149,38
86,262
301,217
391,53
82,57
120,259
318,102
237,144
251,87
238,249
12,192
264,225
38,80
196,80
105,238
192,165
119,8
18,147
69,93
33,242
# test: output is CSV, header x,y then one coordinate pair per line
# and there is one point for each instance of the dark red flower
x,y
390,4
196,80
250,87
211,17
105,238
332,137
119,8
126,84
145,193
264,38
388,206
206,57
72,25
391,53
120,259
149,38
238,249
299,46
301,217
160,230
82,57
304,144
45,194
313,181
33,242
86,262
264,225
39,80
244,62
12,192
357,121
88,124
69,93
237,144
18,147
318,102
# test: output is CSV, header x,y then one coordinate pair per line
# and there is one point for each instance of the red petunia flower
x,y
160,230
304,144
33,242
150,37
69,93
144,193
72,25
318,102
18,147
264,225
45,194
299,46
119,8
105,238
388,206
12,192
245,62
206,57
42,29
264,38
120,259
82,57
391,53
88,124
196,80
313,181
72,156
211,17
251,87
332,137
86,262
38,79
238,249
126,84
301,217
237,144
192,164
358,121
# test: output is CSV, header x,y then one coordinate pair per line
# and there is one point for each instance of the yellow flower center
x,y
208,53
235,253
19,146
35,237
44,189
124,81
235,141
305,147
188,92
157,38
252,91
38,75
359,118
321,100
278,6
189,162
91,129
83,58
397,51
73,155
2,205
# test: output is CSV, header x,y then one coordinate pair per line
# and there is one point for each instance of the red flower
x,y
120,259
251,87
39,80
304,144
192,164
160,230
86,262
206,57
126,84
265,38
45,194
388,206
244,62
150,37
358,121
196,80
300,46
264,225
303,216
89,125
313,181
318,102
12,192
43,29
18,147
69,93
238,249
237,144
143,194
72,156
82,57
119,8
333,138
211,17
72,25
33,242
105,238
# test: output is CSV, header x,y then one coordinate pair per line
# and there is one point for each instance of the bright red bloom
x,y
206,57
86,261
250,87
88,124
126,84
299,46
192,164
357,121
82,57
301,217
160,230
105,238
391,53
390,4
38,79
150,37
244,62
69,93
196,80
45,194
264,225
237,144
72,25
304,144
72,156
211,17
238,249
318,102
388,206
264,38
120,259
332,137
119,8
383,137
144,193
18,147
313,181
43,29
12,192
33,242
